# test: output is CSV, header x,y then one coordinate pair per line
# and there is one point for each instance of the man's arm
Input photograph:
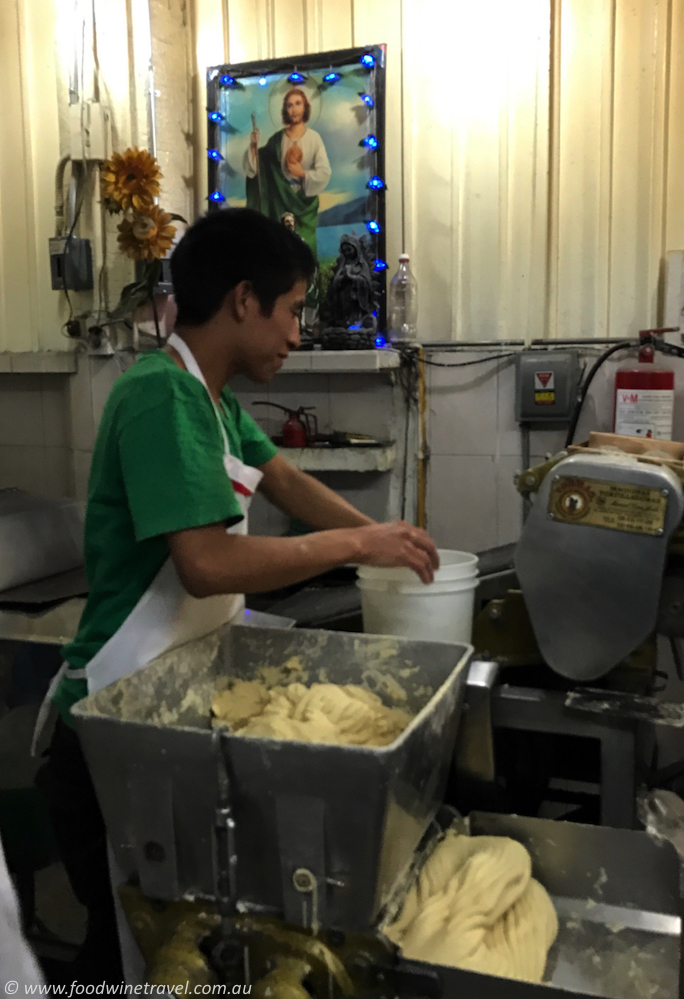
x,y
301,496
210,561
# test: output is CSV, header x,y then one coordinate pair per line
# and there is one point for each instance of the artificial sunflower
x,y
148,235
130,180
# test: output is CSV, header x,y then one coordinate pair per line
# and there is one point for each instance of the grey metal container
x,y
352,816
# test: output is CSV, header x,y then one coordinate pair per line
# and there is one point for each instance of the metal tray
x,y
616,892
352,816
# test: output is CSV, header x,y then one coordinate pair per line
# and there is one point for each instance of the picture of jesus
x,y
286,175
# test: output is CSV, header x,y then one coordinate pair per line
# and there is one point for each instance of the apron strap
x,y
193,368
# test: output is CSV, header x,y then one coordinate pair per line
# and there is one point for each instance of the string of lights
x,y
370,142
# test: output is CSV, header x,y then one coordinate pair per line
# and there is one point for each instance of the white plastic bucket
x,y
395,602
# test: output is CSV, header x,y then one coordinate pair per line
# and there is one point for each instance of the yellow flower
x,y
146,236
131,179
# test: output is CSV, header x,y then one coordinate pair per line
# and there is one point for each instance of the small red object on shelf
x,y
301,425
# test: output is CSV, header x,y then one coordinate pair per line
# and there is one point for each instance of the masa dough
x,y
324,712
476,906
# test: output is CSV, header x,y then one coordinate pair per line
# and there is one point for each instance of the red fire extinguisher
x,y
644,395
301,425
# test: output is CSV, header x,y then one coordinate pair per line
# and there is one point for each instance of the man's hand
x,y
398,544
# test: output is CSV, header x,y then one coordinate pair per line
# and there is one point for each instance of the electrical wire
x,y
466,364
410,351
623,345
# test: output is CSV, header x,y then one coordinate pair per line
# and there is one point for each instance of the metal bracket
x,y
224,831
475,745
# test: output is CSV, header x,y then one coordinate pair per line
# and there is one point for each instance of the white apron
x,y
166,615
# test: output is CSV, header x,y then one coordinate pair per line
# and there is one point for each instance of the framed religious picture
x,y
302,140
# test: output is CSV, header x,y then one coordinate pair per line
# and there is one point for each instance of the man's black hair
x,y
224,248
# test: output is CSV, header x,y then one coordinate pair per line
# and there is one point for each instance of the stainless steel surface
x,y
353,816
614,704
617,867
38,537
592,592
53,627
616,892
618,916
61,586
475,741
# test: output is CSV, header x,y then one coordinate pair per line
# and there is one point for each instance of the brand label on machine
x,y
635,509
544,388
644,413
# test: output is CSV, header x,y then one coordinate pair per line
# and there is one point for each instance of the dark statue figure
x,y
352,294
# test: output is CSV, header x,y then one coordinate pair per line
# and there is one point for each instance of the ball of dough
x,y
476,906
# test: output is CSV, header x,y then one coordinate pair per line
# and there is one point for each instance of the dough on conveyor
x,y
324,712
476,906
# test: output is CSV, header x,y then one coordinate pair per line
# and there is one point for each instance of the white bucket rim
x,y
393,587
465,565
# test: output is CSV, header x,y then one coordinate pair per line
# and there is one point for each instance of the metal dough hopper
x,y
316,834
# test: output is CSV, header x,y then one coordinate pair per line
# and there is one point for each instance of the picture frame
x,y
302,139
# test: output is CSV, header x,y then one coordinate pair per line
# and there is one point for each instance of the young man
x,y
175,465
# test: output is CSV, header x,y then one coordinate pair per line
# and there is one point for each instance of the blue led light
x,y
368,60
214,155
227,81
373,227
376,184
296,77
215,116
331,78
371,142
379,266
355,327
216,196
263,81
380,341
367,100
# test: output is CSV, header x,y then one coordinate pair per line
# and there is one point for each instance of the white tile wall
x,y
81,461
476,447
34,434
462,501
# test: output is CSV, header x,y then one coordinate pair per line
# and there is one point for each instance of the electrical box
x,y
88,130
546,385
71,266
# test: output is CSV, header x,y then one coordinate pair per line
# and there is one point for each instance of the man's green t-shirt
x,y
157,467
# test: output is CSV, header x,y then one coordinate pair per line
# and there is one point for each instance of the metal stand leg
x,y
131,958
544,711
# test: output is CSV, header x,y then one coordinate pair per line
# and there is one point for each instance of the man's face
x,y
295,109
267,340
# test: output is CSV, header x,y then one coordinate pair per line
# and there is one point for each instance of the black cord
x,y
623,345
156,321
65,251
465,364
411,353
408,379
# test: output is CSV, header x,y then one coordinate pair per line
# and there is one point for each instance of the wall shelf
x,y
342,459
340,361
38,362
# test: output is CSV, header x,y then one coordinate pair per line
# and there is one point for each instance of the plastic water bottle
x,y
403,302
